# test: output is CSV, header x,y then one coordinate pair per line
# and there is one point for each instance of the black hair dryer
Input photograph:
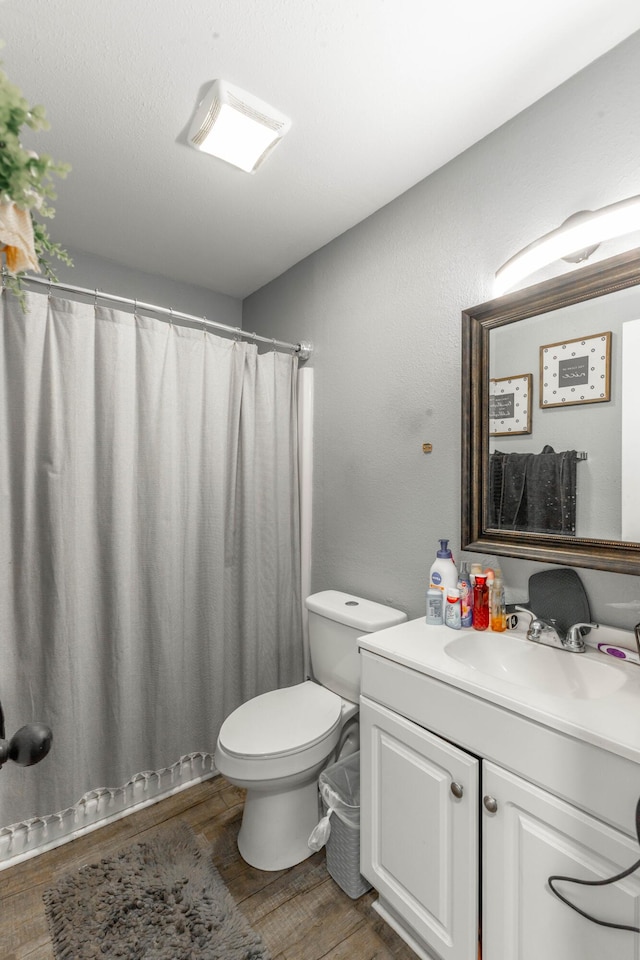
x,y
29,745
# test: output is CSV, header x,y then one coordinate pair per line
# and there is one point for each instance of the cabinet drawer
x,y
593,779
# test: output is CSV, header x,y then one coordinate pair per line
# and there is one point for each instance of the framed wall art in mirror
x,y
576,371
507,334
510,405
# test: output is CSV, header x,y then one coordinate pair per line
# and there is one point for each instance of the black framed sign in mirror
x,y
561,489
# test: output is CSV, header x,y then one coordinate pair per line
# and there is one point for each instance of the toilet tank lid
x,y
365,615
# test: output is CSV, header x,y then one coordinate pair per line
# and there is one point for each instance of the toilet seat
x,y
282,722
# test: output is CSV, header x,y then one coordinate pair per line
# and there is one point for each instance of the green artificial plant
x,y
26,192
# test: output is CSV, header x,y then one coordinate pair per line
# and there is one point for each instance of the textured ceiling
x,y
381,93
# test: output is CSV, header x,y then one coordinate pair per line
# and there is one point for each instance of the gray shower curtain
x,y
149,554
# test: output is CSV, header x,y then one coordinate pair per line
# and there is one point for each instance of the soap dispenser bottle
x,y
443,573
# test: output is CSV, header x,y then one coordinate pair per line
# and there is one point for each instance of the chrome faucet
x,y
546,632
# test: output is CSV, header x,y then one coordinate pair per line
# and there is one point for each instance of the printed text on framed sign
x,y
510,405
576,371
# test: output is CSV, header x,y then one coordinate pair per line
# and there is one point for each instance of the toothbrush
x,y
619,652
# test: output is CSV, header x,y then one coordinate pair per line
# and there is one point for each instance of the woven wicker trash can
x,y
339,787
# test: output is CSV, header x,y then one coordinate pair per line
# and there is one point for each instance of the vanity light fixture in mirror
x,y
603,296
575,240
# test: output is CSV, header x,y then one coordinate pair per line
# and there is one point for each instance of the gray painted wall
x,y
96,272
382,305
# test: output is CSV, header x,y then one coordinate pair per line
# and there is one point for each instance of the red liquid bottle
x,y
480,603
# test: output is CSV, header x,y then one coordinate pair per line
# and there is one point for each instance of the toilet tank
x,y
336,620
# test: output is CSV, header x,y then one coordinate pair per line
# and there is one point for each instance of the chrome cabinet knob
x,y
457,789
491,804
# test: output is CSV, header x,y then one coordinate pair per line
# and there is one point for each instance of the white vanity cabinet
x,y
530,836
419,837
467,808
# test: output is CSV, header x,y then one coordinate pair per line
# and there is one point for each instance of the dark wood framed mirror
x,y
603,298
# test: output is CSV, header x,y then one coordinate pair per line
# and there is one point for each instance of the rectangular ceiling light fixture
x,y
236,126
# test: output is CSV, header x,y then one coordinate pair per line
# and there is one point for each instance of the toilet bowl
x,y
276,745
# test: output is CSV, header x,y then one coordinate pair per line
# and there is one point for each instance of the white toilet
x,y
276,745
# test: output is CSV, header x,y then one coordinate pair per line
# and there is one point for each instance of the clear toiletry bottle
x,y
480,603
452,608
490,575
435,610
498,608
466,598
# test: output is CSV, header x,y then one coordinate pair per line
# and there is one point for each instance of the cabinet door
x,y
419,841
530,836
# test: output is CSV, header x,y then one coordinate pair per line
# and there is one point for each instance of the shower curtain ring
x,y
204,325
95,298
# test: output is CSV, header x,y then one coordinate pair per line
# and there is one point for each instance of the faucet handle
x,y
574,639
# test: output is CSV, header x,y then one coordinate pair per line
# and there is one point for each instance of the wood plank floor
x,y
300,913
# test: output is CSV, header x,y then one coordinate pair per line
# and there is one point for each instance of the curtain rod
x,y
302,349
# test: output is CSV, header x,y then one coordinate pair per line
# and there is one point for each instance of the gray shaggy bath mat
x,y
159,900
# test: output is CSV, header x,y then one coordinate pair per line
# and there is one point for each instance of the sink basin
x,y
531,665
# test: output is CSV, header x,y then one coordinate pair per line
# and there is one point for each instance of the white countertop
x,y
610,721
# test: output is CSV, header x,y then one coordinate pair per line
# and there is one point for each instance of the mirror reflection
x,y
551,445
557,393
